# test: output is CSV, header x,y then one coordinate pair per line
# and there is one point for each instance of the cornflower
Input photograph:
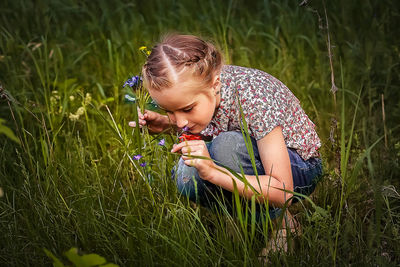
x,y
133,81
162,142
137,157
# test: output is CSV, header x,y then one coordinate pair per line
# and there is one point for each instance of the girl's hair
x,y
181,54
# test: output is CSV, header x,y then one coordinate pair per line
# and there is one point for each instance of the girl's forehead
x,y
174,98
183,92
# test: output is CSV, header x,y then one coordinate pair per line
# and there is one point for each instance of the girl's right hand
x,y
156,123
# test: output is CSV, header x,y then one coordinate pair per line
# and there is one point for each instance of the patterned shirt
x,y
266,103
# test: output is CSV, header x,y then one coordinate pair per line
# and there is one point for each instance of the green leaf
x,y
88,260
110,265
93,259
73,257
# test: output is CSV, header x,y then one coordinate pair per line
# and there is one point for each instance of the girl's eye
x,y
188,110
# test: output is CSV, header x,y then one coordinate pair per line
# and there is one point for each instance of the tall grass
x,y
72,182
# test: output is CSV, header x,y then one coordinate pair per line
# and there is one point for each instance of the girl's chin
x,y
195,130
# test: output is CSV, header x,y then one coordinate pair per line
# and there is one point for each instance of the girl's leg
x,y
229,149
306,173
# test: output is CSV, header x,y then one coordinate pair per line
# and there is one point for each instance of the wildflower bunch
x,y
136,94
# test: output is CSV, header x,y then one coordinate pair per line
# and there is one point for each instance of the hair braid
x,y
178,54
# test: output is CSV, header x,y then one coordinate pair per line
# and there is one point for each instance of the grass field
x,y
67,178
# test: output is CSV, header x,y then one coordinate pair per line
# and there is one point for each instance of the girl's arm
x,y
276,163
274,157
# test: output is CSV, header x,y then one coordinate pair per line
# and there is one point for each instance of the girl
x,y
186,77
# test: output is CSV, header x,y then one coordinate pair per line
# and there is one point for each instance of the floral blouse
x,y
266,103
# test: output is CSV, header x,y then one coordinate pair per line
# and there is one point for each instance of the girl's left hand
x,y
196,148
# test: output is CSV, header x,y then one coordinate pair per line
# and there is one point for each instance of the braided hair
x,y
181,54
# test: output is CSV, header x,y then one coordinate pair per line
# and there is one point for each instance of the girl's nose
x,y
181,121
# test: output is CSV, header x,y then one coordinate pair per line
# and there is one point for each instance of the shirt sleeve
x,y
264,102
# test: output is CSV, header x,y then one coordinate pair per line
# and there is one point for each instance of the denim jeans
x,y
229,149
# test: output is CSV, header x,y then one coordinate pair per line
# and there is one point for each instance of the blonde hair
x,y
180,54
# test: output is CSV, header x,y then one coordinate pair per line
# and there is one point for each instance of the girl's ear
x,y
216,83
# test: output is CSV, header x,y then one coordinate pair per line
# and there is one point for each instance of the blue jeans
x,y
229,149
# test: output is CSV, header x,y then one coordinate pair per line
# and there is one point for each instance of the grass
x,y
70,181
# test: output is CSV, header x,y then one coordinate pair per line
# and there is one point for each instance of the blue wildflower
x,y
133,81
162,142
137,157
185,129
143,164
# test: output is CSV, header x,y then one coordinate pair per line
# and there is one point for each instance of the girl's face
x,y
189,105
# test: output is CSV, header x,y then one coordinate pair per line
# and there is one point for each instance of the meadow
x,y
67,176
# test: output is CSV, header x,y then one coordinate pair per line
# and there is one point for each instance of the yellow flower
x,y
148,52
142,48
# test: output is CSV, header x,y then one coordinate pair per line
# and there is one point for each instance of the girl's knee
x,y
226,145
229,149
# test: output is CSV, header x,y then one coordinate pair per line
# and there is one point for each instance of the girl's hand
x,y
156,123
190,148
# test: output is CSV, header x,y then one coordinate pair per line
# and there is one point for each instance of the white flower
x,y
88,98
80,111
53,100
73,117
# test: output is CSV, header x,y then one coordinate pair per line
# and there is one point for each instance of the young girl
x,y
186,77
